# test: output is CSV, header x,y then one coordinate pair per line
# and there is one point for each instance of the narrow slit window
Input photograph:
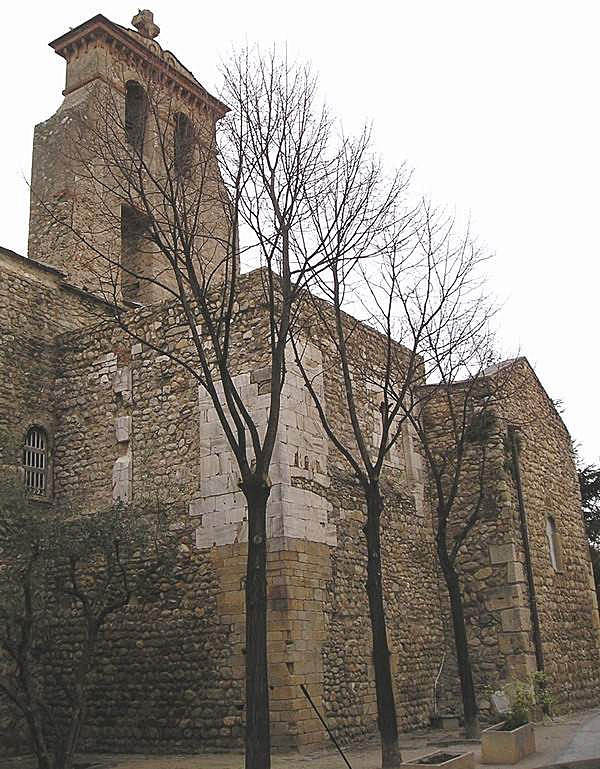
x,y
35,461
183,139
553,546
136,109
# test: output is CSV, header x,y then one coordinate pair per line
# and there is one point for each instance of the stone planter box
x,y
501,747
448,721
446,759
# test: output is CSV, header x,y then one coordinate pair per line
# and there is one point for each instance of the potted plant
x,y
514,738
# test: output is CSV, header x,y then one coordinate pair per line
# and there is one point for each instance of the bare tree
x,y
455,413
168,215
342,211
356,218
417,287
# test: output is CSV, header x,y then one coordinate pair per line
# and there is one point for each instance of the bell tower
x,y
79,221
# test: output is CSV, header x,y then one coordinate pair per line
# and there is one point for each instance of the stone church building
x,y
90,415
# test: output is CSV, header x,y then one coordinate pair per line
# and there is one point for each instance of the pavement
x,y
566,742
585,741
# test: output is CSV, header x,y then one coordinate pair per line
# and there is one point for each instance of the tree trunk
x,y
65,755
66,752
386,708
258,738
36,733
27,684
59,752
465,672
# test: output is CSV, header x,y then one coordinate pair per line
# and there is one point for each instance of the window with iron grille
x,y
35,461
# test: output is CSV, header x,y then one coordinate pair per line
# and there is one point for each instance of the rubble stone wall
x,y
144,425
415,634
492,562
36,307
127,421
481,561
564,592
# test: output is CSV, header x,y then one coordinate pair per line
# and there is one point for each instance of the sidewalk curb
x,y
586,763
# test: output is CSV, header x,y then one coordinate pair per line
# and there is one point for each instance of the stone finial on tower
x,y
143,21
105,63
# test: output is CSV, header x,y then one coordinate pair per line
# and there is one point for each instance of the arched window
x,y
184,144
136,110
35,461
553,543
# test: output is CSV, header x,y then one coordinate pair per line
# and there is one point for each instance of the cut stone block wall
x,y
300,452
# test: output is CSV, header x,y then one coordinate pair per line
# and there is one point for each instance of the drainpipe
x,y
533,610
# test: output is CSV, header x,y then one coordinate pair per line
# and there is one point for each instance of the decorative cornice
x,y
148,53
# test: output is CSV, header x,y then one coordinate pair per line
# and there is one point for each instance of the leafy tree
x,y
72,573
589,484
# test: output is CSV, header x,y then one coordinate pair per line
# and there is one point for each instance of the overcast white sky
x,y
494,103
